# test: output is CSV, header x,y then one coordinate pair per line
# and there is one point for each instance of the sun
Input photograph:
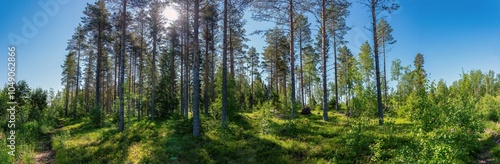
x,y
169,13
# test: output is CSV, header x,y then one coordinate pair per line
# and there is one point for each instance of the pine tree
x,y
338,12
253,61
275,11
311,75
97,24
377,6
155,26
348,73
303,31
385,39
69,74
366,64
209,17
77,43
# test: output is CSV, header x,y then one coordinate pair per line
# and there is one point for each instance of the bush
x,y
488,107
493,115
97,116
265,117
357,144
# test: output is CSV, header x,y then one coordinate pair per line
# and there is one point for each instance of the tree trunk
x,y
205,77
122,68
385,75
77,80
212,48
115,80
87,81
182,78
153,82
348,89
377,69
224,67
336,75
323,52
186,64
141,60
231,52
276,65
301,70
98,69
196,73
292,58
139,102
172,74
67,96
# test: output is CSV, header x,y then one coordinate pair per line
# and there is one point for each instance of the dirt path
x,y
44,152
485,157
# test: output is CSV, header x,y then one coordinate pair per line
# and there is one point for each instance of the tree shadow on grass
x,y
109,147
238,143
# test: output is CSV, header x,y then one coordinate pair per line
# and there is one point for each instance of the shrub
x,y
493,115
488,107
97,116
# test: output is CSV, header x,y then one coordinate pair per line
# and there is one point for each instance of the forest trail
x,y
44,152
485,156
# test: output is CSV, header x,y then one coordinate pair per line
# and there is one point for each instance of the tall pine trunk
x,y
153,82
301,70
186,64
77,79
141,64
122,68
292,58
231,52
385,74
224,68
377,69
205,76
323,52
98,69
196,73
335,67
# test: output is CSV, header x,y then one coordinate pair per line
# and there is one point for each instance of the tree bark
x,y
141,60
122,67
377,69
98,68
301,70
292,58
205,77
323,52
196,73
335,66
224,68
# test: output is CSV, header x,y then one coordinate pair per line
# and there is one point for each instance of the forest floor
x,y
251,137
490,145
44,152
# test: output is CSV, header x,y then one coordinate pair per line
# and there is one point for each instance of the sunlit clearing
x,y
170,13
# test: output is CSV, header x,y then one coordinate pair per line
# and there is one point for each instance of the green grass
x,y
251,137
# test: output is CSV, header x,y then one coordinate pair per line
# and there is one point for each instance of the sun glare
x,y
170,13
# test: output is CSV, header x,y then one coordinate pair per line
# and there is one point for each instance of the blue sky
x,y
39,60
452,35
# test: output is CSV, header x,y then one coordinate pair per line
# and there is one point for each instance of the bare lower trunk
x,y
196,74
323,52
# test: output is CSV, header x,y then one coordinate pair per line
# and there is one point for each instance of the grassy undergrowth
x,y
251,137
